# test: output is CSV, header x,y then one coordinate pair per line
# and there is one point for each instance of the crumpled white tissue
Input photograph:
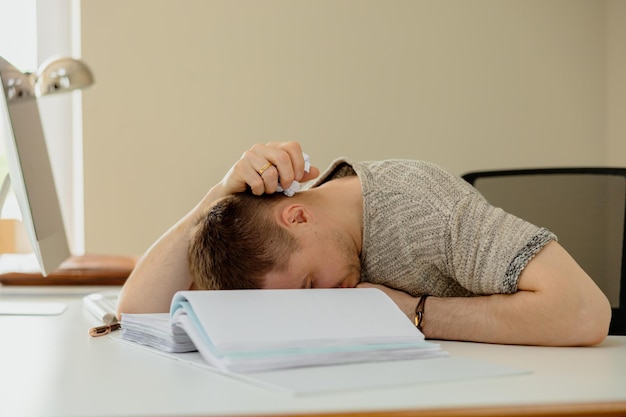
x,y
295,186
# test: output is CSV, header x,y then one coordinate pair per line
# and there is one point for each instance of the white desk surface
x,y
50,366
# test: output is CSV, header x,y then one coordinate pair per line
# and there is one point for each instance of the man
x,y
461,268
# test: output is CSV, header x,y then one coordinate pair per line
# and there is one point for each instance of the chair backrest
x,y
584,207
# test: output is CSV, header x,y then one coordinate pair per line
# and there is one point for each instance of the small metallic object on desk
x,y
104,329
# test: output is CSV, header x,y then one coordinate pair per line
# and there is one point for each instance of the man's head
x,y
271,241
236,243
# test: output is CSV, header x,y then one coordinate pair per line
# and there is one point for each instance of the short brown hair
x,y
236,242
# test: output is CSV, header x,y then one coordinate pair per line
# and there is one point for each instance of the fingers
x,y
290,159
267,181
314,172
286,158
263,166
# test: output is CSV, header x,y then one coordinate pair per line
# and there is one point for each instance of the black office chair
x,y
584,207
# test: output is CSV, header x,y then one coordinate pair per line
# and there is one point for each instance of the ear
x,y
294,214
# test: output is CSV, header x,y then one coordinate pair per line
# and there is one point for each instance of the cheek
x,y
331,275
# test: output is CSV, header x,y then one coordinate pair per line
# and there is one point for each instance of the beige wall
x,y
616,83
184,87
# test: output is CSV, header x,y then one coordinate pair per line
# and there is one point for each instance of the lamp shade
x,y
59,75
16,84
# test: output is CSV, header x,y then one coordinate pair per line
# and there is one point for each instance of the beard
x,y
349,256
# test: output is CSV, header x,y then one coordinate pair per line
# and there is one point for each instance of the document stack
x,y
247,331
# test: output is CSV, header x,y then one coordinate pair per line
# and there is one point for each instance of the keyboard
x,y
102,305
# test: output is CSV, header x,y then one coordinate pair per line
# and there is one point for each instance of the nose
x,y
347,283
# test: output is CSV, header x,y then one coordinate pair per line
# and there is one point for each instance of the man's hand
x,y
263,167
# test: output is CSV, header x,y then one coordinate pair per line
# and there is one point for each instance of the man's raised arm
x,y
163,269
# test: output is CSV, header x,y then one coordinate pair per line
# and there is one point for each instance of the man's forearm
x,y
490,319
519,318
163,269
160,272
505,319
523,318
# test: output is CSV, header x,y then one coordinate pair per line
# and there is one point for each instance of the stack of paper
x,y
256,330
157,331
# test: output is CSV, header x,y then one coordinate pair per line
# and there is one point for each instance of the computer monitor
x,y
30,172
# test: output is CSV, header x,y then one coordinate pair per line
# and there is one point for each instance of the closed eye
x,y
308,283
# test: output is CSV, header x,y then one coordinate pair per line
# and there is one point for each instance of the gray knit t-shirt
x,y
426,231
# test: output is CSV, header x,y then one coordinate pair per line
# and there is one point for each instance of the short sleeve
x,y
488,248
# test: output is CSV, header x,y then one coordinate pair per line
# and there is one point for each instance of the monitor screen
x,y
31,175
